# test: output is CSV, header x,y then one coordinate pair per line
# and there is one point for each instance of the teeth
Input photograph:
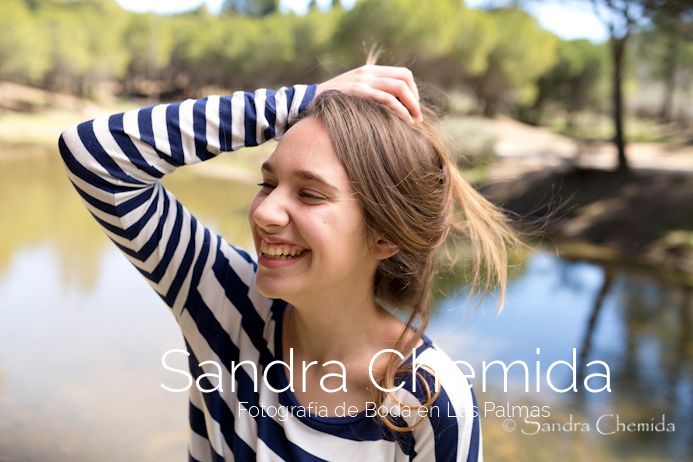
x,y
280,251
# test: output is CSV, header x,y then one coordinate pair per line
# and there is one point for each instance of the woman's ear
x,y
384,249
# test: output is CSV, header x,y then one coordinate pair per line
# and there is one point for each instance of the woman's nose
x,y
271,211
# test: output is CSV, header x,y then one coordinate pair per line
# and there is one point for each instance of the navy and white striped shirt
x,y
115,164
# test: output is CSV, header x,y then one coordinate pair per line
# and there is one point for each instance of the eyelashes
x,y
267,187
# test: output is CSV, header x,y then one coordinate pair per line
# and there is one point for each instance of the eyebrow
x,y
303,174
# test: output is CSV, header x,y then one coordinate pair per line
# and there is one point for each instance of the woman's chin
x,y
265,291
269,290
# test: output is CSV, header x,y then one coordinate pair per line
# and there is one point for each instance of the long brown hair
x,y
412,195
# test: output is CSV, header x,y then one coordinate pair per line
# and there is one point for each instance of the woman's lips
x,y
280,263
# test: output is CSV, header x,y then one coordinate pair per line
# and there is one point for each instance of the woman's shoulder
x,y
432,369
451,428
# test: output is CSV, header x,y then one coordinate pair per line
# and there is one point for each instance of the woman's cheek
x,y
251,210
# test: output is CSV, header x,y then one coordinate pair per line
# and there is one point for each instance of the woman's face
x,y
307,209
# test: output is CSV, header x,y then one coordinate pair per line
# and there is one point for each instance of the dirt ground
x,y
524,148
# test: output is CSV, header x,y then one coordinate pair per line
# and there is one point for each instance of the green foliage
x,y
404,29
472,37
200,50
148,40
84,39
23,49
264,47
521,53
502,56
108,58
232,51
311,36
668,43
577,79
69,57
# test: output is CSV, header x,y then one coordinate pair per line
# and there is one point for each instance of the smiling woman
x,y
354,201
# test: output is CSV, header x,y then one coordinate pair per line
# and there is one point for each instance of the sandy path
x,y
522,148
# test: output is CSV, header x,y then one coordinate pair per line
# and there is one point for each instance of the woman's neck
x,y
345,330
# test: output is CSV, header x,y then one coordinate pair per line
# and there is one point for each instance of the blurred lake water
x,y
82,336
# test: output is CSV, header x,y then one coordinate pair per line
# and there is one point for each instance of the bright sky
x,y
567,19
173,6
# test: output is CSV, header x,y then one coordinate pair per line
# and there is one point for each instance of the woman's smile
x,y
280,261
278,253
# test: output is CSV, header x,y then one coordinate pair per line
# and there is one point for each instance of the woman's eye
x,y
308,195
266,186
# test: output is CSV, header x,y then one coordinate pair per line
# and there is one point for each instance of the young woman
x,y
354,201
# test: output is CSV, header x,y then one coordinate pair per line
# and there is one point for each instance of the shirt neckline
x,y
289,394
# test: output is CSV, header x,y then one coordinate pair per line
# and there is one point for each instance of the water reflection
x,y
82,334
82,337
638,326
586,347
40,206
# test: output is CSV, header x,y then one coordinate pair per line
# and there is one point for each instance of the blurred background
x,y
573,115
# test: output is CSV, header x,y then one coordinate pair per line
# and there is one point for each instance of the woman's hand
x,y
392,86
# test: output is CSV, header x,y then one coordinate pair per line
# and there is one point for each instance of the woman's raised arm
x,y
115,162
132,150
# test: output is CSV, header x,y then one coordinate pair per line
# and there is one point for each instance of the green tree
x,y
669,43
521,53
23,48
402,28
233,51
105,24
148,40
265,51
622,18
85,39
199,51
469,38
312,41
574,82
69,56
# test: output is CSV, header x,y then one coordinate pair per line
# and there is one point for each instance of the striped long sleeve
x,y
115,164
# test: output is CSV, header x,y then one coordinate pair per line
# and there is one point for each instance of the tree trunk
x,y
618,45
669,74
535,113
489,109
570,120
